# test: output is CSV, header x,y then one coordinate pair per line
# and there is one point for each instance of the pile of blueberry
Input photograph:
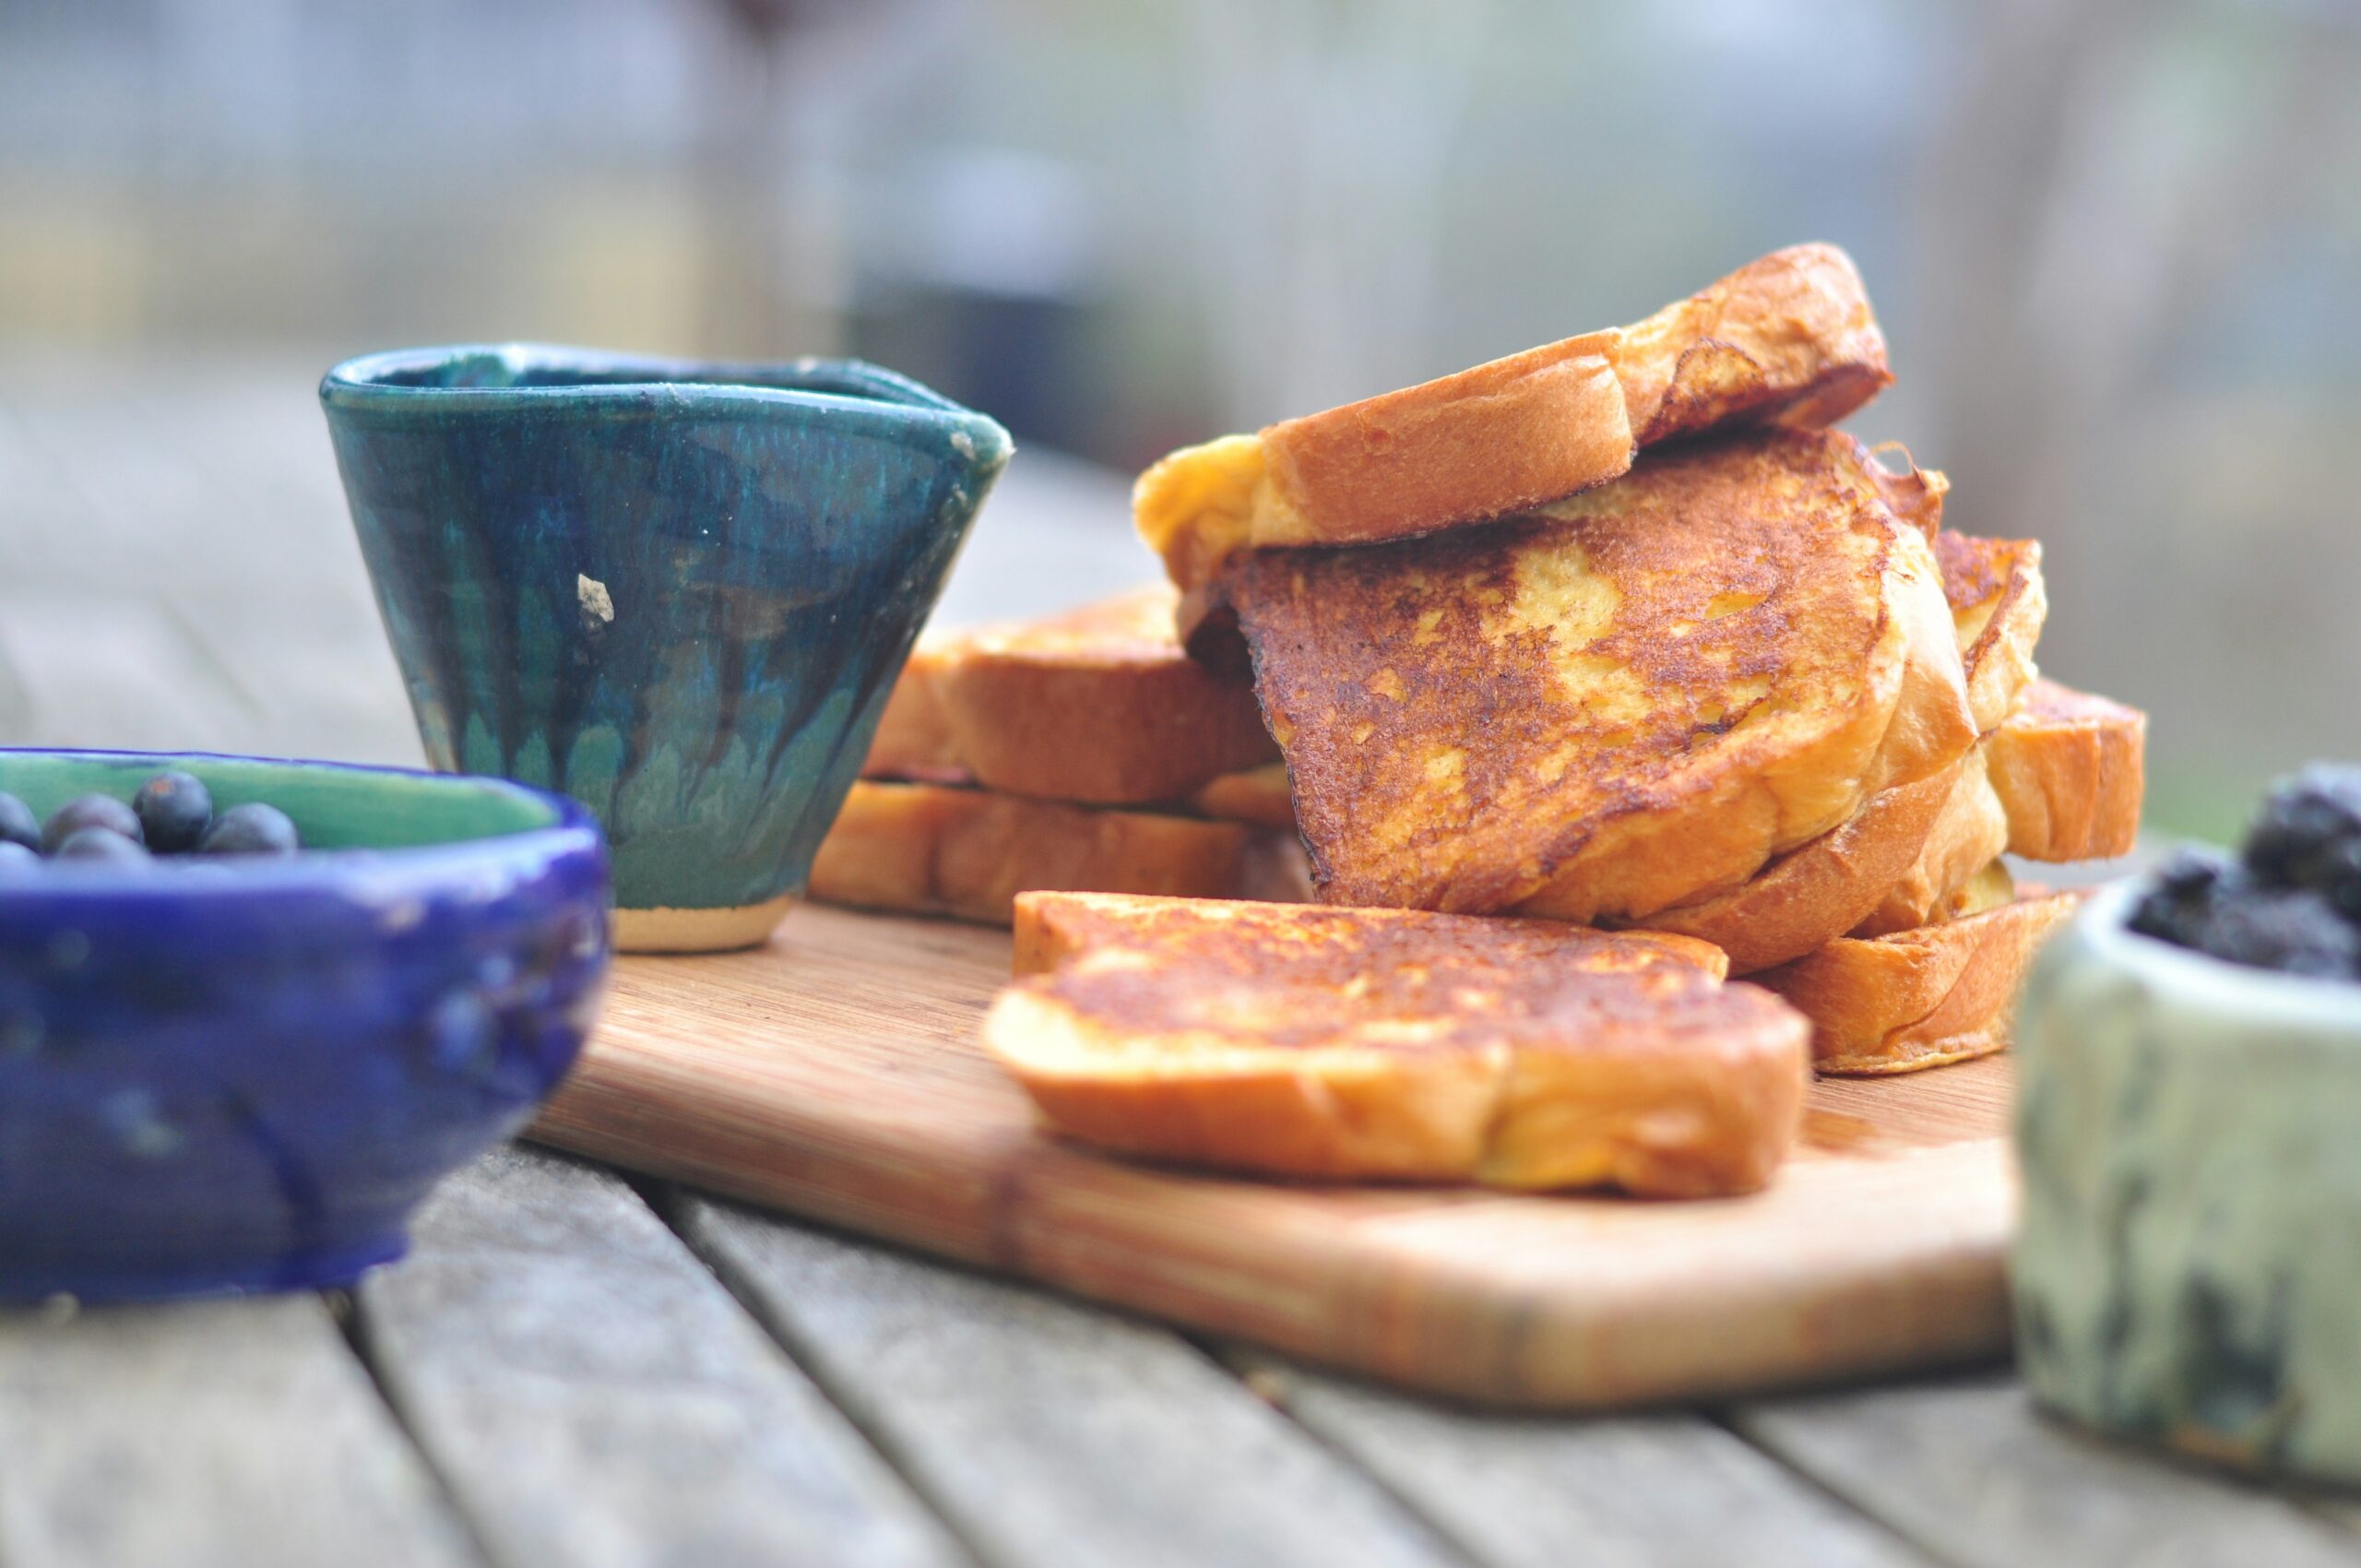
x,y
172,814
2291,902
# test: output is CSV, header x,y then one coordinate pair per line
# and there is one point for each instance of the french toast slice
x,y
1343,1044
933,850
1630,699
1893,863
2069,769
1098,705
1789,339
1920,998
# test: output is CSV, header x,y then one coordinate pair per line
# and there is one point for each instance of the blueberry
x,y
2294,931
98,844
250,829
175,810
89,810
17,824
16,858
2181,897
2309,835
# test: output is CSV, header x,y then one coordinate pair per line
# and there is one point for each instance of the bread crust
x,y
1969,831
934,850
1998,603
1789,338
2068,768
1495,439
1098,705
1813,894
1515,1054
1923,997
1261,796
913,737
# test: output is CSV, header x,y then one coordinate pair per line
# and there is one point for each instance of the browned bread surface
x,y
1098,705
1338,1044
1636,697
1919,998
928,849
2069,769
1787,338
1898,860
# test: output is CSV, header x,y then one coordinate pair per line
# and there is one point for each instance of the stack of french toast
x,y
1416,827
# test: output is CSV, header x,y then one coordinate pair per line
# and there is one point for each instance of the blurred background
x,y
2116,246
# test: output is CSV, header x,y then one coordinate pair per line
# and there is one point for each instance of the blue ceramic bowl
x,y
225,1075
678,593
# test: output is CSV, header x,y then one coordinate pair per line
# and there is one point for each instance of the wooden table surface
x,y
575,1368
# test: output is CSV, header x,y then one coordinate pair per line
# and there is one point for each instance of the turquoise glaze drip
x,y
679,594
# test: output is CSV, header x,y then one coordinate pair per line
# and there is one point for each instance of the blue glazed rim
x,y
400,380
2193,979
570,830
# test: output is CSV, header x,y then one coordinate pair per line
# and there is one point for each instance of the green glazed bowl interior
x,y
678,593
333,807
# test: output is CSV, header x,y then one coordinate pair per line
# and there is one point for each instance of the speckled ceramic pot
x,y
678,593
2189,1131
225,1075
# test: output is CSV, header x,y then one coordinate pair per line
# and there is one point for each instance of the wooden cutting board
x,y
835,1074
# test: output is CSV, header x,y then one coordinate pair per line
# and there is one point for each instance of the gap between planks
x,y
1664,1489
1967,1469
595,1398
1048,1430
244,1431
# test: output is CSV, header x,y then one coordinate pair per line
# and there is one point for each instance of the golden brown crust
x,y
1998,603
927,848
1923,997
1787,339
1815,894
2068,768
914,739
1632,699
1969,831
1492,440
1261,796
1098,705
1392,1044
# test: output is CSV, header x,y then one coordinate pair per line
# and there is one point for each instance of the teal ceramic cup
x,y
678,593
2188,1131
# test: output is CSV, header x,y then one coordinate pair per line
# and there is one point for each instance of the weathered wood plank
x,y
1665,1491
1971,1471
1048,1432
595,1398
229,1434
